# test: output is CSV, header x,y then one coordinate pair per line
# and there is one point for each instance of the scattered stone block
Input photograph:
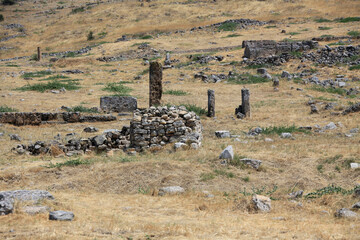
x,y
15,137
261,203
118,103
61,216
27,195
356,205
227,153
345,213
6,205
33,210
222,134
251,162
297,194
354,165
90,129
286,135
171,190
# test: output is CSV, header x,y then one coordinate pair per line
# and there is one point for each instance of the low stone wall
x,y
36,118
267,48
157,126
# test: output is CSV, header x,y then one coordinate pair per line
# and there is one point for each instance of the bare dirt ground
x,y
114,196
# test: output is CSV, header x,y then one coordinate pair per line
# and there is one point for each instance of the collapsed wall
x,y
157,126
268,48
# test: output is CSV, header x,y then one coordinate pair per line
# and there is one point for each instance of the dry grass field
x,y
114,196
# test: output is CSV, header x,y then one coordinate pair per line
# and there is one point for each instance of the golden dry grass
x,y
106,194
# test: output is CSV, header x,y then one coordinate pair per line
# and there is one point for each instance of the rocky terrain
x,y
157,119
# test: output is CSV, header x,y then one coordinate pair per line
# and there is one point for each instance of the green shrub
x,y
233,35
38,74
229,26
7,109
325,28
118,89
348,19
206,177
339,91
80,108
247,79
69,163
296,54
355,67
224,173
176,92
293,33
146,37
56,77
321,20
282,129
271,26
330,190
193,108
327,36
77,10
34,57
354,33
53,85
1,18
90,36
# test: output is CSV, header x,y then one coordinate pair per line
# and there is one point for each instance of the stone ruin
x,y
268,48
118,103
157,126
150,128
244,109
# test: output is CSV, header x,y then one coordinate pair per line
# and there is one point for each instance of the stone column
x,y
38,54
245,98
211,103
155,84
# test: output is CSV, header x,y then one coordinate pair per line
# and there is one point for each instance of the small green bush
x,y
282,129
330,190
7,109
69,163
325,28
348,19
355,67
247,79
90,36
229,26
176,92
78,10
293,33
118,89
321,20
233,35
80,108
296,54
53,85
206,177
354,33
38,74
1,18
146,37
271,26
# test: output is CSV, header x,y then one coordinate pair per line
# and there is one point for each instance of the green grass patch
x,y
78,10
348,19
271,26
146,37
229,26
7,109
324,28
221,172
233,35
322,20
196,109
354,33
238,163
176,92
138,44
56,77
69,163
332,189
38,74
118,89
321,98
206,177
294,33
282,129
337,44
355,67
53,85
339,91
327,36
247,79
296,54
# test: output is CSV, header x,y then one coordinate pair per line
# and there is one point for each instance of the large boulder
x,y
345,213
261,203
118,103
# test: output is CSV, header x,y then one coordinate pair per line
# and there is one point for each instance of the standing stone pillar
x,y
245,98
211,103
38,54
155,84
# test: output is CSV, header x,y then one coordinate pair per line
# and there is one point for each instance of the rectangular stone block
x,y
118,103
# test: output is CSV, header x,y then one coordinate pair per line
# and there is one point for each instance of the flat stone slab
x,y
171,190
118,103
6,205
61,216
227,153
27,195
33,210
222,134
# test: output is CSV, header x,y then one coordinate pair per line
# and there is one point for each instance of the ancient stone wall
x,y
157,126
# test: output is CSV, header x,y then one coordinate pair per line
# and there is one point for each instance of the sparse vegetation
x,y
271,26
118,89
1,18
8,2
339,91
69,163
81,108
78,10
53,85
282,129
229,26
324,28
354,33
322,20
247,79
355,67
90,36
196,109
233,35
296,54
332,189
348,19
7,109
38,74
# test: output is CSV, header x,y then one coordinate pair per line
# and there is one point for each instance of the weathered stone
x,y
276,82
90,129
286,75
222,134
61,216
6,204
261,203
345,213
297,194
286,135
227,153
261,71
330,126
118,103
244,108
314,109
356,205
251,162
15,137
27,195
33,210
354,165
99,140
155,84
211,103
171,190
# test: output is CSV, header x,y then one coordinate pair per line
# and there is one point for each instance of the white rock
x,y
354,165
227,153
